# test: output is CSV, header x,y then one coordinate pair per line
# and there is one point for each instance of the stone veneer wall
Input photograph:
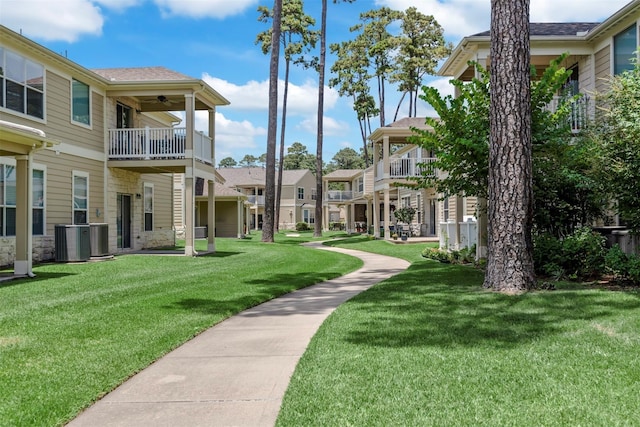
x,y
43,250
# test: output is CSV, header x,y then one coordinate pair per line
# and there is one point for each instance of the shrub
x,y
302,226
616,263
583,253
580,255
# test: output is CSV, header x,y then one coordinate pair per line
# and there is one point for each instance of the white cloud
x,y
52,20
331,126
234,137
461,18
203,8
254,95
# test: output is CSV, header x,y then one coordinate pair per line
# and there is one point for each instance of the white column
x,y
189,179
376,214
387,214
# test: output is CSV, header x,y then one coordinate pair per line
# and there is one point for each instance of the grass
x,y
430,347
77,331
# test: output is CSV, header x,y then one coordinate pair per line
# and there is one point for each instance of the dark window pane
x,y
15,97
148,222
38,222
35,103
11,222
80,217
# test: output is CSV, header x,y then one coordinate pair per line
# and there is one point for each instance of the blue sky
x,y
214,40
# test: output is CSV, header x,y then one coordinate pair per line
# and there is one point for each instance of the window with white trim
x,y
419,207
445,210
80,102
22,84
300,193
148,207
625,45
308,216
8,195
406,202
80,197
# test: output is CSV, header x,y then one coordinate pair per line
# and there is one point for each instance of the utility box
x,y
72,242
99,238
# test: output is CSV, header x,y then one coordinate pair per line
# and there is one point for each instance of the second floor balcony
x,y
404,168
255,200
333,196
157,144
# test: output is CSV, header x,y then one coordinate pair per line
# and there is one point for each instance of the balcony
x,y
339,196
157,144
406,168
255,200
578,114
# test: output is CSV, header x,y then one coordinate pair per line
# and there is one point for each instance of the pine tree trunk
x,y
510,204
317,227
270,187
283,125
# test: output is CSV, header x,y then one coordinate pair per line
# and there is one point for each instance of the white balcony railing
x,y
338,196
157,144
578,114
407,167
255,200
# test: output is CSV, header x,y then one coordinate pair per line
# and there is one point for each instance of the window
x,y
22,83
445,210
314,194
406,202
148,207
37,190
123,117
8,194
308,216
625,45
419,207
300,193
80,197
360,184
81,101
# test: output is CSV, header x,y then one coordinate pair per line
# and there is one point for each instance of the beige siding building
x,y
82,147
297,203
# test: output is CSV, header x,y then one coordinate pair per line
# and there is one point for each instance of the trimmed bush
x,y
302,226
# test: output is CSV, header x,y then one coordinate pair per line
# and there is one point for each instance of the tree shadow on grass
x,y
434,304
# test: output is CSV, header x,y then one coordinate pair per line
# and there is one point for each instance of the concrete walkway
x,y
236,373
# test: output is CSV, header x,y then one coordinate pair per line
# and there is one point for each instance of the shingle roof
x,y
408,122
241,177
140,74
343,173
554,29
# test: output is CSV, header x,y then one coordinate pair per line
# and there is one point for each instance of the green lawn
x,y
429,347
76,331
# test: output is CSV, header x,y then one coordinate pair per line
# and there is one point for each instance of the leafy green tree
x,y
421,45
248,161
296,39
262,160
617,134
299,158
379,46
347,158
352,80
566,190
227,162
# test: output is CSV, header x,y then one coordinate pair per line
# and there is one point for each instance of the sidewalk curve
x,y
236,373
